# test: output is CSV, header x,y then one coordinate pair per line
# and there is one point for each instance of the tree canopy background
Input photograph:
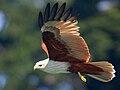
x,y
20,43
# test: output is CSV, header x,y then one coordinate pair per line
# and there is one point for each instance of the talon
x,y
82,77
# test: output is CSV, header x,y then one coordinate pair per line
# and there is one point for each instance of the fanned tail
x,y
105,72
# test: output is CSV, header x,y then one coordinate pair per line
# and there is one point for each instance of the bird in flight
x,y
67,51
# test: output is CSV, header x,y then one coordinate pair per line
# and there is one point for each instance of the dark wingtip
x,y
54,14
56,3
67,14
48,5
53,11
60,11
47,13
40,19
64,3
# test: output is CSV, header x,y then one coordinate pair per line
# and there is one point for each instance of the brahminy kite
x,y
67,51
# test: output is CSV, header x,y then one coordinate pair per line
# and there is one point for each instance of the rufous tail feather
x,y
107,73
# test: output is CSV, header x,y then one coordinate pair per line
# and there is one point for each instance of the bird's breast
x,y
56,67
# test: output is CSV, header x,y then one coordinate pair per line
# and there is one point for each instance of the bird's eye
x,y
40,65
74,21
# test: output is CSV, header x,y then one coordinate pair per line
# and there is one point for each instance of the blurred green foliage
x,y
21,42
102,34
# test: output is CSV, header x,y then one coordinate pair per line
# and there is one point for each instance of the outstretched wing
x,y
60,35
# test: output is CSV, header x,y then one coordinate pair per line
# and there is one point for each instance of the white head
x,y
41,64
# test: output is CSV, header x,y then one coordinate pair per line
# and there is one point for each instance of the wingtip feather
x,y
47,13
60,11
67,14
40,19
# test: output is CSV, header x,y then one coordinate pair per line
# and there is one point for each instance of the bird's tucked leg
x,y
82,77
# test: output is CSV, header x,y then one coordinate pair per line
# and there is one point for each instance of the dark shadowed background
x,y
20,44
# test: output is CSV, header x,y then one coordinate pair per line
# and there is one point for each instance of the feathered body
x,y
66,49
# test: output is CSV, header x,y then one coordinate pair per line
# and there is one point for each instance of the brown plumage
x,y
66,49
